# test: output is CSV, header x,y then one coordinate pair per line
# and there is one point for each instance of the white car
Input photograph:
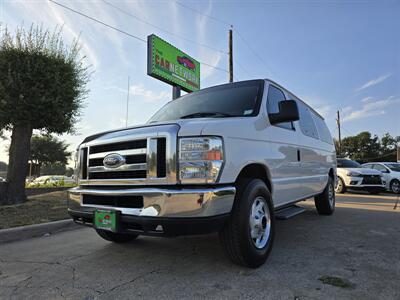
x,y
391,174
50,179
228,158
350,174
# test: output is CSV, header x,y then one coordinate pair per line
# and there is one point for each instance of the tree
x,y
42,86
389,147
361,147
49,152
53,169
364,147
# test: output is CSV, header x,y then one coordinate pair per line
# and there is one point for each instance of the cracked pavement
x,y
360,244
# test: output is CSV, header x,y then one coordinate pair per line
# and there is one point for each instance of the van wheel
x,y
325,202
248,236
116,237
340,186
395,186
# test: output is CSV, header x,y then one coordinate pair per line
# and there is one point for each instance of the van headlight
x,y
200,159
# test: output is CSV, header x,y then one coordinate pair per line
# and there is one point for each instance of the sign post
x,y
171,65
176,92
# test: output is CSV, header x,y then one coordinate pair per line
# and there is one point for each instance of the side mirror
x,y
288,112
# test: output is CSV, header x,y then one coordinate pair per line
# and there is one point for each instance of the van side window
x,y
275,96
323,130
307,125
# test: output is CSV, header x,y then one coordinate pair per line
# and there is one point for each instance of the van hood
x,y
188,127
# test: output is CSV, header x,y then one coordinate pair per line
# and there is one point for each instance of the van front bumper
x,y
163,211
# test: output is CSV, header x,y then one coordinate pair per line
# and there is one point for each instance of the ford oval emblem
x,y
113,160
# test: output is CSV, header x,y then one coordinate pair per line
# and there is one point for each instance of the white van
x,y
229,158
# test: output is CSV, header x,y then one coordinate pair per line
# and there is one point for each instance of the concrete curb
x,y
26,232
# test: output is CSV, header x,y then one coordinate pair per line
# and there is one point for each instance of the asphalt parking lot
x,y
354,254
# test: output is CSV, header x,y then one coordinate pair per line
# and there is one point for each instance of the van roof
x,y
297,98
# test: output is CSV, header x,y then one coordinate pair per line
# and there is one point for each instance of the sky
x,y
335,55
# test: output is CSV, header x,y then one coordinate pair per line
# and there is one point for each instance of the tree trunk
x,y
18,164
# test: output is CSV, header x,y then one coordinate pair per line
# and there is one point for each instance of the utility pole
x,y
127,106
230,53
340,135
176,92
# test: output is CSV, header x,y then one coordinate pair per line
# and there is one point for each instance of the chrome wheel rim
x,y
339,185
395,187
260,223
331,196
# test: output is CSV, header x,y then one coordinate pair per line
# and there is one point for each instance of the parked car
x,y
391,174
50,179
227,158
352,175
2,179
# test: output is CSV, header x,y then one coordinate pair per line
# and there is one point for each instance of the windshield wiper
x,y
206,114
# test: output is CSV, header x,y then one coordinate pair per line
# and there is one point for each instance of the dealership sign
x,y
171,65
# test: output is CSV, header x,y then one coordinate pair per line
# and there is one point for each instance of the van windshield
x,y
241,99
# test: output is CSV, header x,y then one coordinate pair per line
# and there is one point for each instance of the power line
x,y
122,31
349,132
242,68
202,14
162,29
254,51
211,66
98,21
236,31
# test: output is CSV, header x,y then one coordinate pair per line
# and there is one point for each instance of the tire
x,y
248,236
340,186
395,186
116,237
325,202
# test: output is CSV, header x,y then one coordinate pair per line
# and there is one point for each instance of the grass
x,y
51,185
38,209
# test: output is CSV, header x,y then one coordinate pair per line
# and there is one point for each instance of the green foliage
x,y
69,172
364,147
53,169
47,150
42,81
60,183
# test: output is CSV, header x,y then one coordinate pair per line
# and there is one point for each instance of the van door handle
x,y
298,154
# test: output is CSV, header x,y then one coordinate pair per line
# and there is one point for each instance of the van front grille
x,y
161,157
118,146
117,175
134,160
129,159
84,156
114,201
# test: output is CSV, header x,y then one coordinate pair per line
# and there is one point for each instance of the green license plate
x,y
105,219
